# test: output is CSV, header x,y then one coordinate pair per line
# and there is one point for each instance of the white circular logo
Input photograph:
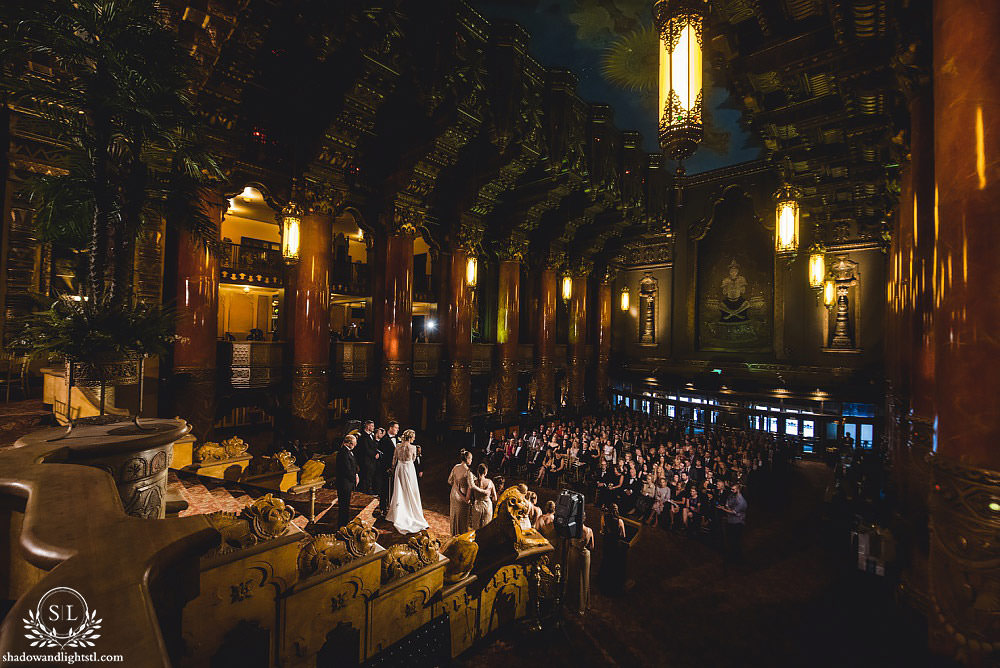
x,y
62,619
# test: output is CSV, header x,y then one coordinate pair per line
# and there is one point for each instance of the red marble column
x,y
577,342
197,326
397,328
545,342
604,306
508,328
966,281
311,347
459,342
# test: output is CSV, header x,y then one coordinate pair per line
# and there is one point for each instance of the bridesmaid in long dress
x,y
460,480
578,570
484,495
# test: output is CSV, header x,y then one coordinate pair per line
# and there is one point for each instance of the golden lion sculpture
x,y
420,550
210,451
326,552
510,530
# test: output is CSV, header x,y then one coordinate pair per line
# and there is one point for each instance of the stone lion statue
x,y
210,451
510,530
420,550
326,552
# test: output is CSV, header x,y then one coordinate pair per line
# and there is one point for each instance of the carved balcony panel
x,y
351,360
252,363
426,359
482,358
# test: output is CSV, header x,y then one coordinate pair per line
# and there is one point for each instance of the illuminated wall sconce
x,y
786,229
829,293
625,299
817,267
567,287
471,272
291,220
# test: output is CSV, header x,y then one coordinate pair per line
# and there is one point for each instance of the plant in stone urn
x,y
114,90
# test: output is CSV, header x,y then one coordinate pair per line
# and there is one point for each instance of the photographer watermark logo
x,y
62,619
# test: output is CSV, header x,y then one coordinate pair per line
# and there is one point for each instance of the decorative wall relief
x,y
647,309
735,294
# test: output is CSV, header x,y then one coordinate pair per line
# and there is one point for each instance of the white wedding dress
x,y
405,510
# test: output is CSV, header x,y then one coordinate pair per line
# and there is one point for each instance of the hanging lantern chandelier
x,y
680,25
786,228
567,287
625,303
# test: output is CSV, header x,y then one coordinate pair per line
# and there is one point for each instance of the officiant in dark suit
x,y
346,479
367,456
386,449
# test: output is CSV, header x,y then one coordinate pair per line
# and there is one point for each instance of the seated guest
x,y
605,478
627,492
691,509
661,499
644,504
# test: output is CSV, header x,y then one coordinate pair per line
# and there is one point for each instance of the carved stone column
x,y
197,326
459,341
578,341
397,321
545,342
311,347
965,497
604,306
508,328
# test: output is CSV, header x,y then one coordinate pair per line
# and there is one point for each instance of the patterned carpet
x,y
20,417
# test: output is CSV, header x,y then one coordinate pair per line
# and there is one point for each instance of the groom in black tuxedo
x,y
386,449
367,449
346,479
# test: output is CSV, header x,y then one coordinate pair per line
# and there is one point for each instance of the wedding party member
x,y
368,459
484,495
406,512
460,480
546,524
578,570
612,572
346,479
386,451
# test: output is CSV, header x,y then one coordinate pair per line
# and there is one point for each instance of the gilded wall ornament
x,y
419,551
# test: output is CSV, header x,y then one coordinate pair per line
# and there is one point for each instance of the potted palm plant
x,y
118,101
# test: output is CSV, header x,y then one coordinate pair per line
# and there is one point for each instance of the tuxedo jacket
x,y
347,468
367,449
387,448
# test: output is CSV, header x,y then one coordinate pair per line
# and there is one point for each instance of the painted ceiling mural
x,y
610,45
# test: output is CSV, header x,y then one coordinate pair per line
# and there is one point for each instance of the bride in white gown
x,y
405,510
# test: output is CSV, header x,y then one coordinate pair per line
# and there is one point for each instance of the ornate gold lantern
x,y
567,287
625,299
786,228
471,272
291,220
680,23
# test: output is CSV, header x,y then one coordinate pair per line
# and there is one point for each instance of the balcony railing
x,y
482,358
350,278
250,264
426,359
252,363
351,360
